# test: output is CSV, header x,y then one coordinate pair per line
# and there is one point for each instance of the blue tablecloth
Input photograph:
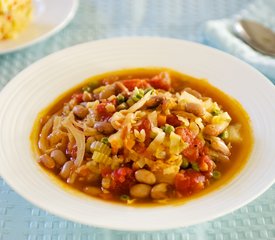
x,y
97,19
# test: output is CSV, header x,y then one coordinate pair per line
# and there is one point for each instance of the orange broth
x,y
239,153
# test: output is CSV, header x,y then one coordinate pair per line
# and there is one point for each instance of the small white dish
x,y
49,17
38,85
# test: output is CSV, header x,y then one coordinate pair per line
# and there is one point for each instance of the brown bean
x,y
87,96
195,108
154,101
58,156
160,191
91,190
66,169
47,161
104,127
121,88
140,190
145,176
80,111
108,91
93,177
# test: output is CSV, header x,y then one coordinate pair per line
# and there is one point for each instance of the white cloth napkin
x,y
218,33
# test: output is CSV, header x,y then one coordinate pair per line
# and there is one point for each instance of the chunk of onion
x,y
79,139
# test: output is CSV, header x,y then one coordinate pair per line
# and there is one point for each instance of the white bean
x,y
145,176
193,92
160,191
58,156
219,145
140,190
215,129
47,161
94,191
107,92
217,156
195,108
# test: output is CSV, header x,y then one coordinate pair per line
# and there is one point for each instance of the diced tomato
x,y
101,108
78,97
106,171
206,164
161,81
132,83
102,111
189,182
186,135
121,180
193,151
195,147
173,120
146,125
122,174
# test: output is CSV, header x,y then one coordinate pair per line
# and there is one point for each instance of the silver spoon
x,y
256,35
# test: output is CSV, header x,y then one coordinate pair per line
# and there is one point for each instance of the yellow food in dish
x,y
14,17
143,136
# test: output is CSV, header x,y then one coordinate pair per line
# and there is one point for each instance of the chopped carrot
x,y
161,120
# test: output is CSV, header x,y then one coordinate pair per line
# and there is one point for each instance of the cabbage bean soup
x,y
143,136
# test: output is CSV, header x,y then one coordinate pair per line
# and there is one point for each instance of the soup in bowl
x,y
138,136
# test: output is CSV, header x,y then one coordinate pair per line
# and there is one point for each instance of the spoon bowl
x,y
257,36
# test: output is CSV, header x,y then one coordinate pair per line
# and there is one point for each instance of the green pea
x,y
124,197
224,135
216,174
105,140
168,128
195,166
184,163
120,98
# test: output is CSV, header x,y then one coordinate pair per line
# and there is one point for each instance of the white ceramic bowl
x,y
39,84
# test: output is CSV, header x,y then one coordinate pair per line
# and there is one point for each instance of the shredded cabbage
x,y
176,144
153,118
155,144
79,139
43,142
140,103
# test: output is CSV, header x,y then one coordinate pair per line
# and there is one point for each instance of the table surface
x,y
98,19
